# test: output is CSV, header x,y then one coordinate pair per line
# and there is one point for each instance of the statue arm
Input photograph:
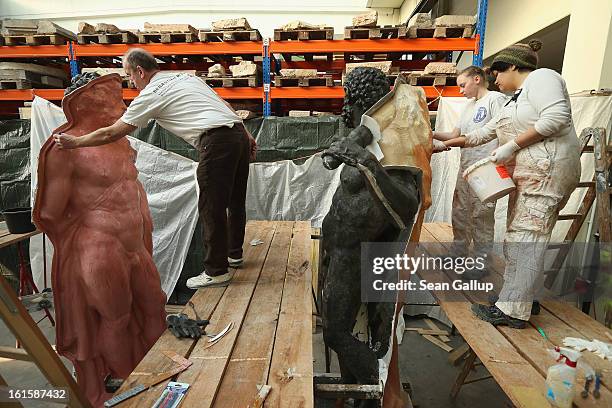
x,y
55,188
98,137
146,219
399,200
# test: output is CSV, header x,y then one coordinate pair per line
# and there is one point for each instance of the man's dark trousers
x,y
222,174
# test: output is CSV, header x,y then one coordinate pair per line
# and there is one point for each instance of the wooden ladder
x,y
36,348
599,188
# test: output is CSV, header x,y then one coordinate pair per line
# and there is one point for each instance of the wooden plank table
x,y
518,359
6,238
269,302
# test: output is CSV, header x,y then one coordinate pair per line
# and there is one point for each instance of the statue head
x,y
363,87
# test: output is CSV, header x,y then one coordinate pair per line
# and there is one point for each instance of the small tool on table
x,y
155,379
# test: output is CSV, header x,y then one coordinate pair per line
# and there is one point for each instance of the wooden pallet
x,y
441,32
432,79
326,33
165,38
323,80
126,37
388,31
23,79
229,35
232,82
15,84
36,39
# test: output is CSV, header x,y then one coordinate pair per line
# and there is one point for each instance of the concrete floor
x,y
425,366
422,364
23,374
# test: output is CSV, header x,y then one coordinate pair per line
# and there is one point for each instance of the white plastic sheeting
x,y
444,165
284,190
171,187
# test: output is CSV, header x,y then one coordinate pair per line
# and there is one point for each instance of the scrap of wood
x,y
438,343
458,354
431,332
432,325
356,391
214,340
263,391
174,308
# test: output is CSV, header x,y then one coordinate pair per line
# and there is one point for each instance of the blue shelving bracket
x,y
74,65
481,25
266,77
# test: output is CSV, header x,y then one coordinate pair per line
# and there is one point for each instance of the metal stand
x,y
26,283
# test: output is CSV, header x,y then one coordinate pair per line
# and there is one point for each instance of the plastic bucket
x,y
19,220
489,181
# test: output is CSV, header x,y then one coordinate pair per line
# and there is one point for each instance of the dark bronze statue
x,y
372,204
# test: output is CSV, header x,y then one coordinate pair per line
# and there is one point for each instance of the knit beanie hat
x,y
521,55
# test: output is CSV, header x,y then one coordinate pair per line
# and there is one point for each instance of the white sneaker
x,y
234,262
203,280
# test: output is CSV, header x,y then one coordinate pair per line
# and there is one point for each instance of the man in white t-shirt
x,y
184,105
473,221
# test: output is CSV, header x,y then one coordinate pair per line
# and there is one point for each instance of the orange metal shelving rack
x,y
244,48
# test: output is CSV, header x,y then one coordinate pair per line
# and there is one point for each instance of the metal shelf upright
x,y
481,25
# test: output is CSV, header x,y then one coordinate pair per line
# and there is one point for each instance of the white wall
x,y
264,15
406,9
588,53
509,21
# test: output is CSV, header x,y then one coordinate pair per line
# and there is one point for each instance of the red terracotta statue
x,y
108,297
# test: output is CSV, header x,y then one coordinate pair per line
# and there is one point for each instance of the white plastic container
x,y
489,181
561,379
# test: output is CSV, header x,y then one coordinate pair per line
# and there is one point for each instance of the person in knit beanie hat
x,y
538,143
519,55
513,63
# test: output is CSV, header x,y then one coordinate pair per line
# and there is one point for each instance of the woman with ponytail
x,y
539,147
473,221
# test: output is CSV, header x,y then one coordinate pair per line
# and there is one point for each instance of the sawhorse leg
x,y
26,283
469,365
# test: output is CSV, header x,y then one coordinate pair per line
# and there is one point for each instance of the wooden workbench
x,y
270,303
6,238
518,359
